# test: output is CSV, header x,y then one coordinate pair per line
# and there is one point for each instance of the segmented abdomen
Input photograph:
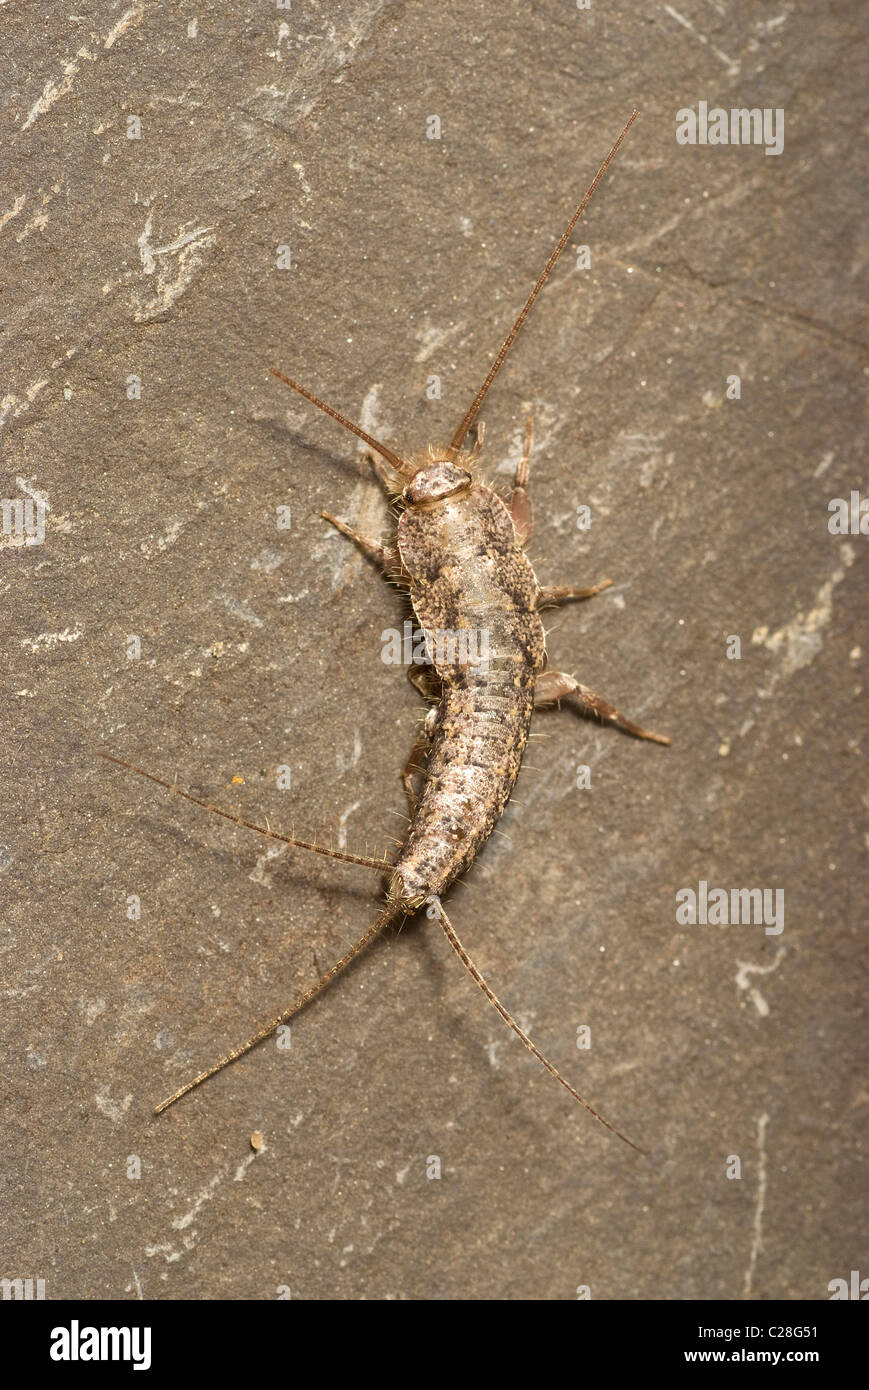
x,y
469,576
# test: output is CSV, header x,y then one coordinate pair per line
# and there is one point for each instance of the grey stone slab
x,y
155,258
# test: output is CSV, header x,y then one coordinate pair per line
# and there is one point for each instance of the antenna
x,y
544,276
403,469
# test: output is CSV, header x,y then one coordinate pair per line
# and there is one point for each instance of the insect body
x,y
460,553
467,571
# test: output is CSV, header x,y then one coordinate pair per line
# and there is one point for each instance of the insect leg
x,y
557,593
519,505
552,686
387,559
416,757
426,681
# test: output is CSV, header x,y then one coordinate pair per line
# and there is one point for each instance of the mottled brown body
x,y
459,550
466,570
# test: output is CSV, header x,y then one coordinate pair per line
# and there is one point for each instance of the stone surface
x,y
155,258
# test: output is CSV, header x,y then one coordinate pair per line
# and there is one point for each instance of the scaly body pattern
x,y
468,574
460,553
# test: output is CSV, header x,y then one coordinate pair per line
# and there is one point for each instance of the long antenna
x,y
544,276
511,1022
382,864
402,468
